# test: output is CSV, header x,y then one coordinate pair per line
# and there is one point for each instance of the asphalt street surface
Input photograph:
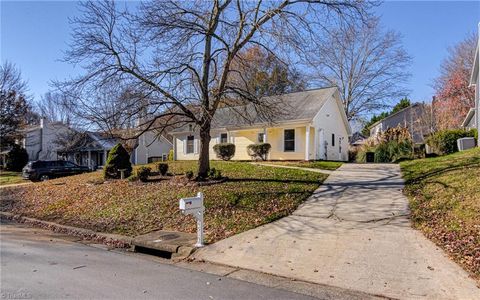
x,y
38,264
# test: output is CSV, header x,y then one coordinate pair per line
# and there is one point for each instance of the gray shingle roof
x,y
287,107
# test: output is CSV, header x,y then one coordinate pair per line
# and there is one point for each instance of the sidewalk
x,y
352,233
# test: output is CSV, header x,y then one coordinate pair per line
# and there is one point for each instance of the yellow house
x,y
309,125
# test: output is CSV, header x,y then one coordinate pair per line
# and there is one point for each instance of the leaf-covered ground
x,y
8,177
319,164
444,195
253,195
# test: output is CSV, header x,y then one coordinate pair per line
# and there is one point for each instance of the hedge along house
x,y
310,125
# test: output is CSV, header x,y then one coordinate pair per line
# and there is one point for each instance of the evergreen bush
x,y
170,155
162,168
16,159
118,159
224,151
143,173
259,151
189,175
214,174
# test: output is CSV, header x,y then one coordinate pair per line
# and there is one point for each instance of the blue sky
x,y
34,34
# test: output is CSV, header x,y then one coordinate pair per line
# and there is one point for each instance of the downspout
x,y
41,137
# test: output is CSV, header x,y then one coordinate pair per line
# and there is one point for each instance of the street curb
x,y
112,240
108,239
270,280
312,289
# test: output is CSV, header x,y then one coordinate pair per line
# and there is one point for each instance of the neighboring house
x,y
475,81
409,117
469,122
311,125
151,147
40,141
357,139
89,149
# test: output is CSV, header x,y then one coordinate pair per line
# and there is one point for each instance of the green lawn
x,y
9,177
252,195
319,164
444,195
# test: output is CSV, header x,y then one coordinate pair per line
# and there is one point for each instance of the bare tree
x,y
367,64
179,54
14,107
51,106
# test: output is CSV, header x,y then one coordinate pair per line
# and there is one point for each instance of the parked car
x,y
43,170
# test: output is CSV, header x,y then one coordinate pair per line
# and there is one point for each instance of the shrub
x,y
189,175
393,151
224,151
445,141
170,155
391,146
352,154
16,158
162,168
259,151
473,132
214,174
118,159
143,173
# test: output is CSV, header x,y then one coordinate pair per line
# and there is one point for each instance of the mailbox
x,y
194,206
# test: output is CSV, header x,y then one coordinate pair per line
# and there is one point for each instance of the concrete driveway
x,y
352,233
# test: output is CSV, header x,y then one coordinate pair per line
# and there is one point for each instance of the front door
x,y
321,151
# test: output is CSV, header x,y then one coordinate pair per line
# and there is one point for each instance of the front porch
x,y
93,159
294,142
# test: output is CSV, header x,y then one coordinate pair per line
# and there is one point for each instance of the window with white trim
x,y
223,138
190,144
289,140
261,137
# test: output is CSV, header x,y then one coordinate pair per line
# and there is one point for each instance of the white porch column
x,y
174,148
105,157
307,142
89,163
265,140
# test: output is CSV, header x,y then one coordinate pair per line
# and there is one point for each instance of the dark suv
x,y
47,169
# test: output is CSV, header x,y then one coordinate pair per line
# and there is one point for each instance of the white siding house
x,y
40,141
313,126
151,147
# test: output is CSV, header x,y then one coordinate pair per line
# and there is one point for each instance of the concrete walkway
x,y
352,233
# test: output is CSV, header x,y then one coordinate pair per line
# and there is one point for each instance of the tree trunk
x,y
204,158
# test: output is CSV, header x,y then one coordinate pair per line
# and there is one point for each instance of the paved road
x,y
353,233
38,264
